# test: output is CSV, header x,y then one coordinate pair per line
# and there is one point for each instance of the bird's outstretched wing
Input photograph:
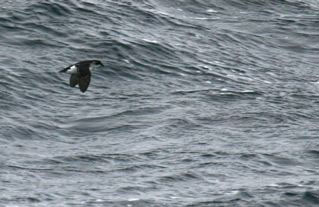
x,y
84,82
74,80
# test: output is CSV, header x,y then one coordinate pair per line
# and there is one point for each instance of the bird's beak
x,y
102,64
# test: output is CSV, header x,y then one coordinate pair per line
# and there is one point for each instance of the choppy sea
x,y
200,103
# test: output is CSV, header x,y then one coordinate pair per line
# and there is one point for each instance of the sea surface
x,y
200,103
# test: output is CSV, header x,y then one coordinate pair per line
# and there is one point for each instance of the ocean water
x,y
200,103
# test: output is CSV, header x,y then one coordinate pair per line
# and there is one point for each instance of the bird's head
x,y
97,63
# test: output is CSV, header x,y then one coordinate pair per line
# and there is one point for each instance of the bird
x,y
81,73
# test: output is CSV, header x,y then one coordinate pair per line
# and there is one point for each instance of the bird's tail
x,y
64,70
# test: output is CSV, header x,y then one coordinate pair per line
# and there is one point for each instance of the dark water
x,y
200,103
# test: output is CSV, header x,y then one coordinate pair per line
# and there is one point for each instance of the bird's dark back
x,y
84,67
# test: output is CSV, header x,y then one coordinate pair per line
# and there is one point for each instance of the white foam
x,y
211,10
151,41
133,199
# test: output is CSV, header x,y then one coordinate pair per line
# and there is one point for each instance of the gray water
x,y
200,103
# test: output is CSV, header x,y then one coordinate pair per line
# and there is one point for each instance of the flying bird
x,y
81,73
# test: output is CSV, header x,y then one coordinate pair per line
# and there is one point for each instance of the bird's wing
x,y
74,80
84,82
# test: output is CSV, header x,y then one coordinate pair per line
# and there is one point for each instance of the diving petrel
x,y
81,73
